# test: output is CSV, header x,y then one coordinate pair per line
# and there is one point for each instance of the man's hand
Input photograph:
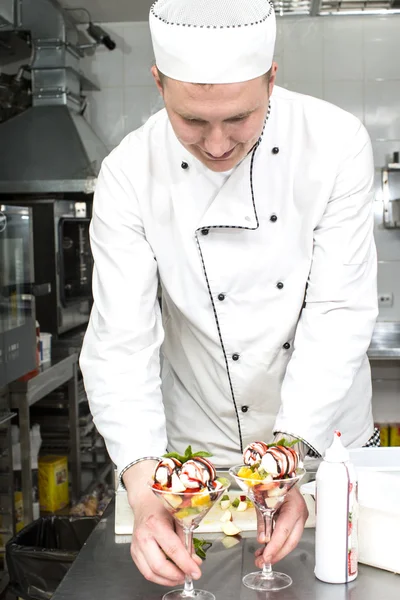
x,y
287,532
154,536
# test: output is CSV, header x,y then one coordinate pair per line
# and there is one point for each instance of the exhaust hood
x,y
50,147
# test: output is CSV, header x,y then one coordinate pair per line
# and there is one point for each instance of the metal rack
x,y
23,395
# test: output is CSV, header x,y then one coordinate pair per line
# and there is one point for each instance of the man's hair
x,y
163,78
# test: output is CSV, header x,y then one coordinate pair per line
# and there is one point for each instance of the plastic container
x,y
53,482
336,545
40,556
45,347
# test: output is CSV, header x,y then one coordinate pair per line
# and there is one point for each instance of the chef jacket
x,y
268,289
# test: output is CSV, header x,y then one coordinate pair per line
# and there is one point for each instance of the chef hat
x,y
213,41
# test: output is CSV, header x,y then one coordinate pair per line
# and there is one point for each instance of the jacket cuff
x,y
132,464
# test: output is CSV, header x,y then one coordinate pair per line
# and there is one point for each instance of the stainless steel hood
x,y
50,147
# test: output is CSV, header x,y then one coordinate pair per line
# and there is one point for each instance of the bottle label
x,y
352,559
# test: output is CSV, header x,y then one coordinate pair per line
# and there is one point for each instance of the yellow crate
x,y
53,483
384,430
395,434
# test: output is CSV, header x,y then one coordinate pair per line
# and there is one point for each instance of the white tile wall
x,y
344,59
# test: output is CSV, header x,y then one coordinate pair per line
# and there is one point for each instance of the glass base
x,y
258,581
198,594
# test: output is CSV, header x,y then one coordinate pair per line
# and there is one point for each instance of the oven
x,y
62,257
17,303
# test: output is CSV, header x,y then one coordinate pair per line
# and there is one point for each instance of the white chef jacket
x,y
268,289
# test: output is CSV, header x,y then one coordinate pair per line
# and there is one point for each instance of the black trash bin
x,y
40,555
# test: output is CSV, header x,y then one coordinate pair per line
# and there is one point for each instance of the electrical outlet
x,y
385,300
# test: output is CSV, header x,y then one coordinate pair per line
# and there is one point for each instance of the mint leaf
x,y
201,547
290,444
175,455
188,453
281,442
202,454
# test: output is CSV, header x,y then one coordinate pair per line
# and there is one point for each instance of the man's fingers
x,y
173,547
197,559
291,542
170,577
292,516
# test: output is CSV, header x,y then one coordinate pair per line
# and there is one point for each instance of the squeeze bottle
x,y
336,546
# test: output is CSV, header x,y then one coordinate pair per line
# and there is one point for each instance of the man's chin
x,y
220,166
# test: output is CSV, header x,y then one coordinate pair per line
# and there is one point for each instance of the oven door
x,y
76,262
17,307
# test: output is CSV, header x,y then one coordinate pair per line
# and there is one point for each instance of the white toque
x,y
213,41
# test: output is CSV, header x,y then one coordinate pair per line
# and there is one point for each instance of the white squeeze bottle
x,y
336,547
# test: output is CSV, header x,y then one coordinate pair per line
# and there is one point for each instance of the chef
x,y
250,207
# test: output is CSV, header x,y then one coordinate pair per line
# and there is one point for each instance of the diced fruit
x,y
248,473
201,500
273,502
186,512
227,516
242,498
176,484
229,528
223,481
276,491
245,472
236,503
242,507
174,501
229,542
225,504
225,497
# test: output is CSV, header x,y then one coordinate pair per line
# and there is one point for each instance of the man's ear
x,y
157,79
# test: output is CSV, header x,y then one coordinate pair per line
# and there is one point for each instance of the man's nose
x,y
217,143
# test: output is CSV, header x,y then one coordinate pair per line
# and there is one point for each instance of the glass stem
x,y
188,590
268,523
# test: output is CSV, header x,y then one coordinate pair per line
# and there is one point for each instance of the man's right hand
x,y
154,536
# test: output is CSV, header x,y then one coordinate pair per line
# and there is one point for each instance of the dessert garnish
x,y
191,473
270,461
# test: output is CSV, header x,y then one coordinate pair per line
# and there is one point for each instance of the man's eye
x,y
238,119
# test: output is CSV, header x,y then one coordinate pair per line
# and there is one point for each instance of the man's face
x,y
219,124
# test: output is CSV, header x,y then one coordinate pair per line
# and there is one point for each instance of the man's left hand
x,y
288,530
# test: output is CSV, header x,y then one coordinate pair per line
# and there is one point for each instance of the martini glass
x,y
267,496
188,509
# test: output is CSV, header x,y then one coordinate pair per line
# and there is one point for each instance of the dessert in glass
x,y
188,487
269,472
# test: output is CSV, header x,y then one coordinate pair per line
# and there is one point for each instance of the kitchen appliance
x,y
63,258
49,161
49,147
17,304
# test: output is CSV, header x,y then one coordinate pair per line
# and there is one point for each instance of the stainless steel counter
x,y
104,571
385,344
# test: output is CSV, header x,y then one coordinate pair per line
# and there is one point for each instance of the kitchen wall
x,y
350,61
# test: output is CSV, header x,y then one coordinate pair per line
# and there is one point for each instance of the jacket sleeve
x,y
336,325
120,356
